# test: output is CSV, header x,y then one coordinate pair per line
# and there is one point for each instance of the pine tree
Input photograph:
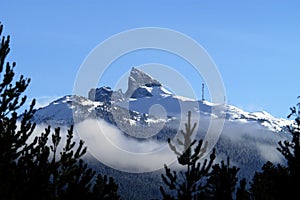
x,y
12,139
105,188
271,183
242,193
191,184
291,150
281,182
222,181
37,170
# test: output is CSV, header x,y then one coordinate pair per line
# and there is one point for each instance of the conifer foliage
x,y
291,150
198,180
222,181
281,181
189,184
37,168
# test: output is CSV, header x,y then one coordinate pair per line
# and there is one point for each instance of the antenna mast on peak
x,y
202,91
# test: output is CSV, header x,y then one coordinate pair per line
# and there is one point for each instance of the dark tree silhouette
x,y
191,184
105,188
35,169
291,150
12,139
242,193
222,181
281,182
271,183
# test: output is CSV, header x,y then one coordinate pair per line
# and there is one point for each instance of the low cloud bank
x,y
111,147
107,144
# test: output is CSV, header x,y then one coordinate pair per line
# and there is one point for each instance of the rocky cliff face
x,y
136,109
102,94
137,79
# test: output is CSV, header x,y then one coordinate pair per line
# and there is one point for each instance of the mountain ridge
x,y
248,138
140,99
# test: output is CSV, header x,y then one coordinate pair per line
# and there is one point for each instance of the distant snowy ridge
x,y
265,119
61,110
142,95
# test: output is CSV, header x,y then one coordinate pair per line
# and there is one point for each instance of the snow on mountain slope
x,y
148,101
173,106
149,91
61,110
262,117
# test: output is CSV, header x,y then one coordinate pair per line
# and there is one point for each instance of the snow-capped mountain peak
x,y
264,118
143,96
138,78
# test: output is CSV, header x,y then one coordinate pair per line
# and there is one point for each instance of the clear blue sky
x,y
255,44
